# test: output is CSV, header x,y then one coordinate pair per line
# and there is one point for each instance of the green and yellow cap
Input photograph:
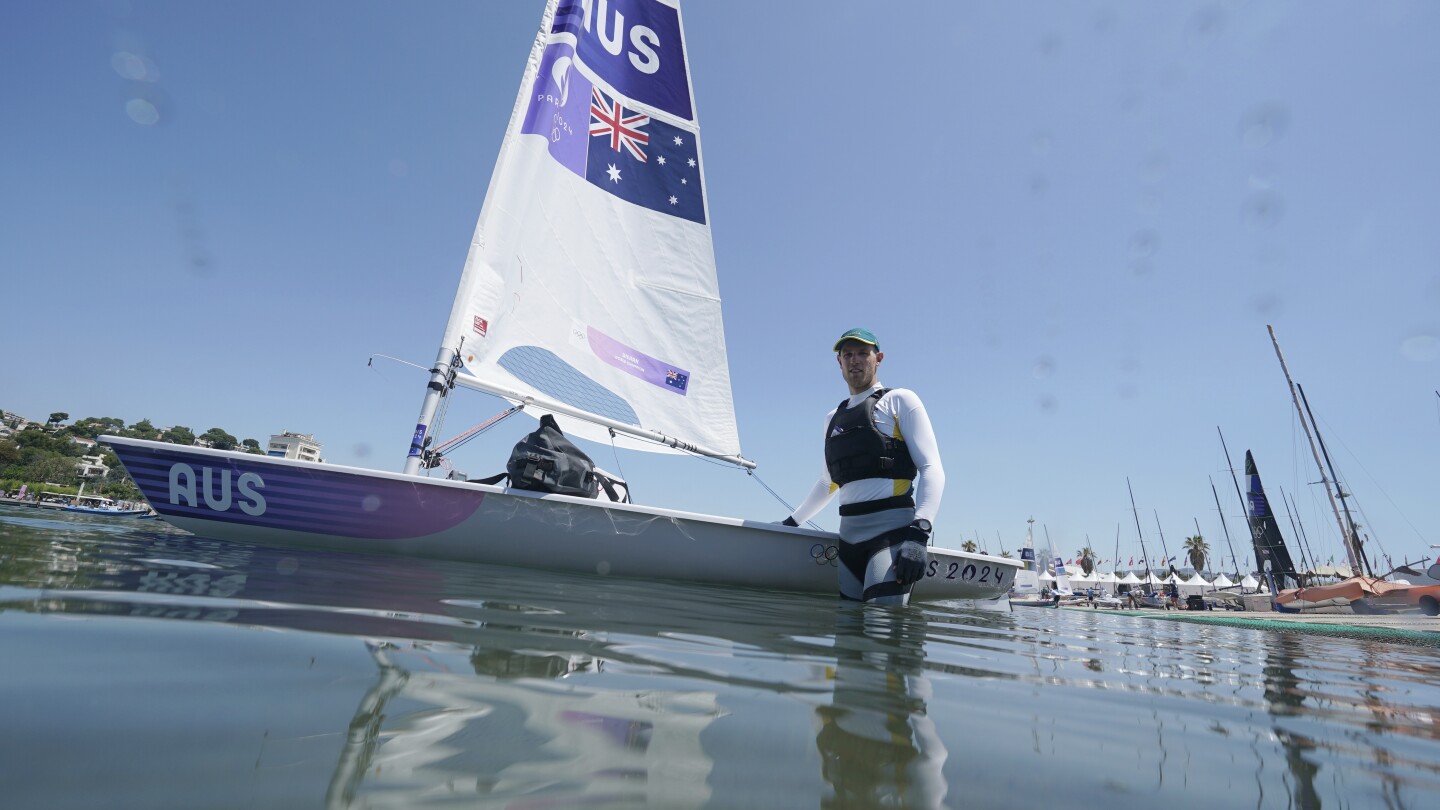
x,y
862,335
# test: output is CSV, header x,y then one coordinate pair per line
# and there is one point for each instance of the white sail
x,y
590,281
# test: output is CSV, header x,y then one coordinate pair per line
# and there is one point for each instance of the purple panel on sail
x,y
559,108
638,364
635,46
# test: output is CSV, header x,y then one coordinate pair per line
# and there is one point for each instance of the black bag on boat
x,y
546,461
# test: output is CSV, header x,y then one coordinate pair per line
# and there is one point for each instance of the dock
x,y
1408,628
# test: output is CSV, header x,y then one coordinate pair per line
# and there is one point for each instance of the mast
x,y
1233,560
1164,549
1198,534
442,380
1296,532
1244,508
1027,552
1339,489
1116,562
1350,550
1300,526
1144,556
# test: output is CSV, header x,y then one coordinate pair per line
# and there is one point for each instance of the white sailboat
x,y
589,291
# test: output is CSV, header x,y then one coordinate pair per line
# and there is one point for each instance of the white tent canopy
x,y
1223,581
1250,583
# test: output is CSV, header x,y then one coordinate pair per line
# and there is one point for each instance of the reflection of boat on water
x,y
582,296
565,744
551,689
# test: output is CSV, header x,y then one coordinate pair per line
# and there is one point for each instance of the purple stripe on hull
x,y
303,499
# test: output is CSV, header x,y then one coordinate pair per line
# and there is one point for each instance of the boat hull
x,y
285,503
86,510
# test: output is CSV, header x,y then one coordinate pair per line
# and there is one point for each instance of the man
x,y
880,455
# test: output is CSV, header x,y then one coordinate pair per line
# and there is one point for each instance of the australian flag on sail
x,y
642,160
602,137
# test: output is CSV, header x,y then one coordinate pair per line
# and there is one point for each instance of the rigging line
x,y
464,438
1376,484
615,451
782,501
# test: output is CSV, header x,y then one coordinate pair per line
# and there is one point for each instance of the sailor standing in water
x,y
877,444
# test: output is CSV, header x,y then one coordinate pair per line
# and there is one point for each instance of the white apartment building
x,y
91,466
301,446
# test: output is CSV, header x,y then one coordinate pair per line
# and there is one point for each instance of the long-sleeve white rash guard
x,y
899,406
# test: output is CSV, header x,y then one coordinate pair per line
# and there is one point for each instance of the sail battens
x,y
590,280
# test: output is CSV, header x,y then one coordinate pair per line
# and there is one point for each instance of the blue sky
x,y
1069,223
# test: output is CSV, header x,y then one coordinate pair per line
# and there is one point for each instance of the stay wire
x,y
615,451
782,501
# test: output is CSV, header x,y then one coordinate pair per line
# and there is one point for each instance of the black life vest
x,y
855,449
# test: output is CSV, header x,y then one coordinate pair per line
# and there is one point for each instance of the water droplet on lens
x,y
128,65
1048,404
1420,348
1266,304
142,112
603,567
1144,244
362,450
370,503
1264,209
287,566
1044,368
1263,125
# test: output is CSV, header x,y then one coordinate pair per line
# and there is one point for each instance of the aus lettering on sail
x,y
216,490
633,46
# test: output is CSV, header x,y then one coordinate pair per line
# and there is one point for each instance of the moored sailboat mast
x,y
1144,556
1226,527
1350,550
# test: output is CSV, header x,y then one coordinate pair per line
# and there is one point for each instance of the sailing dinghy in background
x,y
590,292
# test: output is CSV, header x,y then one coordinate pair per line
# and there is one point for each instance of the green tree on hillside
x,y
143,430
219,439
180,435
50,469
91,427
251,445
56,418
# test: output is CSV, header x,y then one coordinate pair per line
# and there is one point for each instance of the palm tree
x,y
969,545
1087,559
1007,555
1197,549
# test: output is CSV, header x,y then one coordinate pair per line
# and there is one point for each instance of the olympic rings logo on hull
x,y
823,554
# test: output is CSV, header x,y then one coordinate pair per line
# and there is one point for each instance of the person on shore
x,y
881,456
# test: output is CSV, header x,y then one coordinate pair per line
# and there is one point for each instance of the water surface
x,y
145,667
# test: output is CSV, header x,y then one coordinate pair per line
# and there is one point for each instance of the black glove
x,y
789,521
910,561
